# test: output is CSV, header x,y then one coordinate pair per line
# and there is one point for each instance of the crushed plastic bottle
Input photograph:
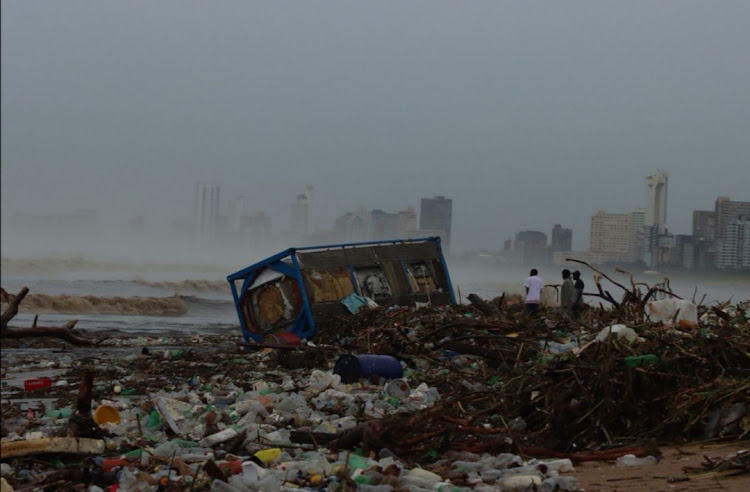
x,y
559,483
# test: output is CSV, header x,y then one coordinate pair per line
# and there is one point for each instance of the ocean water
x,y
165,299
116,299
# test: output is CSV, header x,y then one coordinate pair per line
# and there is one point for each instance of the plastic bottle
x,y
559,483
641,360
563,465
154,420
184,443
446,487
219,437
520,483
631,460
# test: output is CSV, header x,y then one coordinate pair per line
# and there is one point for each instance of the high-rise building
x,y
435,214
301,224
616,236
206,211
656,200
727,212
734,251
704,225
531,247
407,221
562,239
359,226
384,225
236,214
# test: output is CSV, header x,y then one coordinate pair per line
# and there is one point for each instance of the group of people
x,y
571,293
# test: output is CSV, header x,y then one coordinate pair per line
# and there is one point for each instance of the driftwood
x,y
81,423
62,332
69,445
483,305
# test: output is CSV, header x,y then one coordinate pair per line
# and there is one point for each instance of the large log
x,y
62,332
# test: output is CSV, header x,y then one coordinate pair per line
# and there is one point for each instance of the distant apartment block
x,y
656,200
562,239
531,248
358,226
434,215
727,212
406,221
704,225
615,236
734,251
206,211
384,225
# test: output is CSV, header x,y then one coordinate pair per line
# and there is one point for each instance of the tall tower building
x,y
656,200
435,214
301,214
206,211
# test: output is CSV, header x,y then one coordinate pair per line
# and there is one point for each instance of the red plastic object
x,y
285,338
110,463
37,383
234,466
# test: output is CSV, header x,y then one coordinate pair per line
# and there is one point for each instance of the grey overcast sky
x,y
526,114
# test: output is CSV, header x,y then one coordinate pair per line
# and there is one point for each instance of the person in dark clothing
x,y
567,294
578,292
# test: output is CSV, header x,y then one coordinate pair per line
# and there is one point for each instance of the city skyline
x,y
539,115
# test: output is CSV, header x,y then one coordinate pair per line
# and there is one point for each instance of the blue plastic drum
x,y
353,367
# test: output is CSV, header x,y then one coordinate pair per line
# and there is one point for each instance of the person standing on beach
x,y
533,285
578,297
567,294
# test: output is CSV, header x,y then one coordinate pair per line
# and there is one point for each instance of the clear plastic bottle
x,y
632,460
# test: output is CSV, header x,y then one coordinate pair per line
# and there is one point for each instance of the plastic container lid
x,y
105,414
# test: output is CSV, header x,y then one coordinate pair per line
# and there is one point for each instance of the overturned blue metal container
x,y
293,290
353,367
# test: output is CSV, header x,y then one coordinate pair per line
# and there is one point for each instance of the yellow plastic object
x,y
268,455
106,414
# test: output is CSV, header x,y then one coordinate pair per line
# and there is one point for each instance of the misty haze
x,y
384,245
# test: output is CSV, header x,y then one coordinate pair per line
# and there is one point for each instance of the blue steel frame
x,y
304,324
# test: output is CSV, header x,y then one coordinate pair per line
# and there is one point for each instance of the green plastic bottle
x,y
154,420
641,360
185,444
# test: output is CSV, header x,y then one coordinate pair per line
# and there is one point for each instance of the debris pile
x,y
477,396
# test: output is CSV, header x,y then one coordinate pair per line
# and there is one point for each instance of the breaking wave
x,y
136,306
187,285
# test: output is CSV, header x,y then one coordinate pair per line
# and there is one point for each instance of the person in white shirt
x,y
533,286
